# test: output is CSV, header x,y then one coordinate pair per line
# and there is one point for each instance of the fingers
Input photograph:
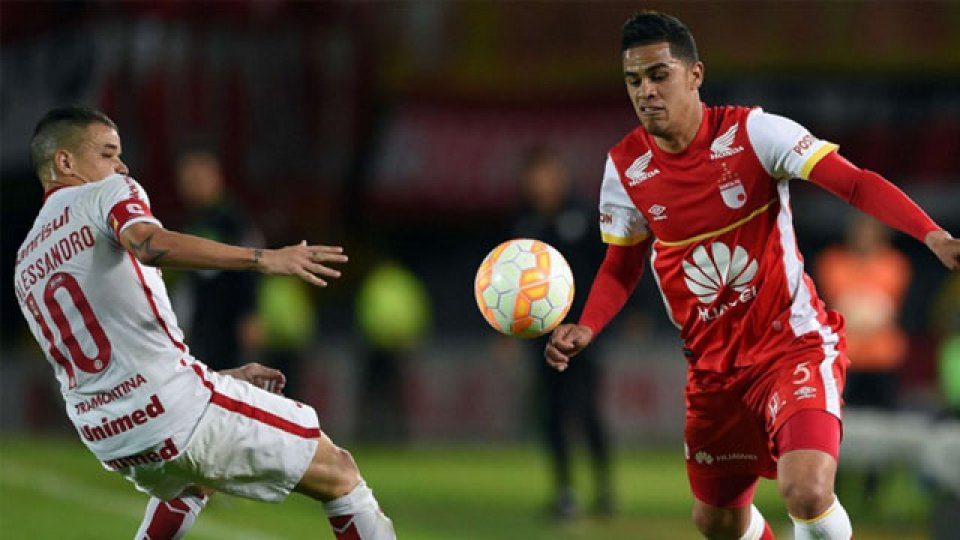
x,y
310,278
562,338
565,342
327,254
323,270
271,385
556,359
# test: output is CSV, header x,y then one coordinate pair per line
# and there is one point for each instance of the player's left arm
x,y
788,150
878,197
154,245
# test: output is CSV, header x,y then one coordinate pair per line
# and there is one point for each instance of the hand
x,y
945,247
566,342
302,260
271,380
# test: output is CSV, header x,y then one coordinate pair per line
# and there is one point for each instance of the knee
x,y
717,524
346,474
807,497
331,474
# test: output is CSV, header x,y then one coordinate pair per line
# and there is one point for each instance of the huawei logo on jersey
x,y
638,172
720,147
708,273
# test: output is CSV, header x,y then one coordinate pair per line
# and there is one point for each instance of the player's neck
x,y
62,181
678,141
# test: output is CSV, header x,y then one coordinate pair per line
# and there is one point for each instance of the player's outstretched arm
x,y
153,245
878,197
945,247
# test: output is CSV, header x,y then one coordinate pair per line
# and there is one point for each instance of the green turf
x,y
52,488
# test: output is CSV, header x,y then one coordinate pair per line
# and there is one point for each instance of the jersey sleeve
x,y
785,148
621,224
120,203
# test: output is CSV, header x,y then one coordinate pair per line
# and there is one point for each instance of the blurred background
x,y
401,131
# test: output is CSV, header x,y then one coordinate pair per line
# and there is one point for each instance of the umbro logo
x,y
638,172
720,147
657,211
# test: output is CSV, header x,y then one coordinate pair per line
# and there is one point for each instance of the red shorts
x,y
733,418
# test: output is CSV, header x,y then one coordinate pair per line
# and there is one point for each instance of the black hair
x,y
537,155
60,128
649,27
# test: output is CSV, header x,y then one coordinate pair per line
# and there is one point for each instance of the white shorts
x,y
248,442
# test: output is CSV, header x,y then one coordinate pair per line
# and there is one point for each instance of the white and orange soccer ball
x,y
524,288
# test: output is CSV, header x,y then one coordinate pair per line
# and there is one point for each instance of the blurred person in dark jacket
x,y
218,309
553,213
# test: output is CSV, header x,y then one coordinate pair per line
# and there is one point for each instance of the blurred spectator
x,y
217,309
941,474
866,281
945,322
393,314
551,212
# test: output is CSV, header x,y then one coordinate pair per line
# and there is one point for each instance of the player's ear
x,y
696,75
63,162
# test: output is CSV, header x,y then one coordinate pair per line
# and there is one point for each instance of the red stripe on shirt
x,y
51,191
153,305
254,412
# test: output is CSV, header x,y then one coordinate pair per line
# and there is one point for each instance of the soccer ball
x,y
524,288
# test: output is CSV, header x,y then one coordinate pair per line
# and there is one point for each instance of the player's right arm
x,y
154,245
615,281
628,239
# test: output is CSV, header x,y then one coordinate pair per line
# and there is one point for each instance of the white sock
x,y
170,520
755,527
834,524
357,515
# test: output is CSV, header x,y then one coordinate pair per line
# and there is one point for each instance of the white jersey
x,y
105,323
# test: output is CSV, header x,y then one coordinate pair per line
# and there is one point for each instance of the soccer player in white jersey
x,y
88,281
703,191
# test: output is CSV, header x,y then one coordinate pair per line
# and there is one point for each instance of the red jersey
x,y
717,216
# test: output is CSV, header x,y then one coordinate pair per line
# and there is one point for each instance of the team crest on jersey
x,y
721,147
637,172
731,188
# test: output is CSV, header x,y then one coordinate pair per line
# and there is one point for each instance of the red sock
x,y
170,520
344,528
767,532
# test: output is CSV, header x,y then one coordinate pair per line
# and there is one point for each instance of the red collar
x,y
51,192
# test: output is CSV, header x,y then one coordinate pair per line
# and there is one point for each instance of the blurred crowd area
x,y
397,130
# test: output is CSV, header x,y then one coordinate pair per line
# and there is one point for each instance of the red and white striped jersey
x,y
718,218
105,323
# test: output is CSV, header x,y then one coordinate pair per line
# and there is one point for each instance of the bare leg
x,y
334,479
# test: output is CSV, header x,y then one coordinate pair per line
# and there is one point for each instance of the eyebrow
x,y
110,146
658,65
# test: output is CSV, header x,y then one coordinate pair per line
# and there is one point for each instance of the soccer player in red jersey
x,y
703,191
